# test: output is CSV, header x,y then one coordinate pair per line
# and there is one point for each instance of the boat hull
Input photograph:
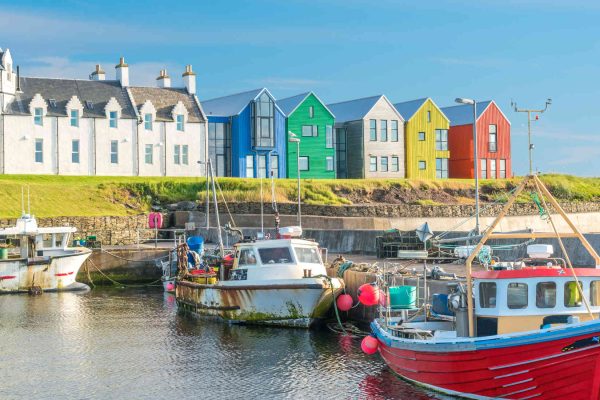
x,y
54,273
292,303
547,364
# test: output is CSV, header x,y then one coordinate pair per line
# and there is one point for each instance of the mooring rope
x,y
153,283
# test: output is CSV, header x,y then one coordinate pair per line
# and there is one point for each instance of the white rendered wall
x,y
124,133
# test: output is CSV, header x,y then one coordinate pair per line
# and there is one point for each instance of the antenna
x,y
513,104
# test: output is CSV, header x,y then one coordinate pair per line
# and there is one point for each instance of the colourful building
x,y
493,141
246,135
312,122
426,138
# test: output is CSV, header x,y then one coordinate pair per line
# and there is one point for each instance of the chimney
x,y
122,72
98,74
189,79
163,80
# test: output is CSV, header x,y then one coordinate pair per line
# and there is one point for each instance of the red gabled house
x,y
493,141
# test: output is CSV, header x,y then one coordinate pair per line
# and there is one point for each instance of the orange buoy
x,y
368,294
344,302
369,345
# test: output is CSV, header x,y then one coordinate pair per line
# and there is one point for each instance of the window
x,y
39,150
441,168
219,147
75,118
493,136
112,119
545,295
384,164
148,154
114,151
441,139
329,136
329,163
395,165
502,172
483,163
52,103
304,163
247,257
422,165
38,116
572,294
311,112
148,122
373,130
75,151
179,121
249,167
394,127
517,295
595,293
177,154
373,164
421,136
262,166
487,295
492,168
340,153
276,255
307,255
184,155
275,165
310,130
263,110
384,136
428,116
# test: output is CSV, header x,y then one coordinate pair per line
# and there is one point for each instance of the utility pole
x,y
529,111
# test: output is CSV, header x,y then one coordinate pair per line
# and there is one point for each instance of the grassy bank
x,y
97,196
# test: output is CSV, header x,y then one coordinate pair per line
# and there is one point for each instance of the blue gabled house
x,y
246,135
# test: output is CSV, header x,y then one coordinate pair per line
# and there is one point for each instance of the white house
x,y
99,126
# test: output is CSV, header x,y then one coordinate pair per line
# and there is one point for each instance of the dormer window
x,y
89,105
113,118
38,116
148,122
179,120
75,118
52,102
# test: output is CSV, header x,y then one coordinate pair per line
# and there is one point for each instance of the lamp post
x,y
294,139
476,157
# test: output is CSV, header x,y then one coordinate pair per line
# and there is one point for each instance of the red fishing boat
x,y
521,330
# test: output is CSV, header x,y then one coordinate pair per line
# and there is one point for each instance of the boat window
x,y
545,295
517,295
247,257
572,294
487,294
595,293
275,255
308,255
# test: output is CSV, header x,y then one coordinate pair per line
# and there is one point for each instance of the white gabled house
x,y
99,126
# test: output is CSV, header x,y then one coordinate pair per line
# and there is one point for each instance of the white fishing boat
x,y
39,259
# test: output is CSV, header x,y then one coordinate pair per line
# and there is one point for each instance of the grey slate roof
x,y
353,110
227,106
462,114
164,99
408,108
96,92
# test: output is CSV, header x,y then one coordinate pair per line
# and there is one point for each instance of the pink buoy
x,y
369,345
170,286
344,302
155,220
368,294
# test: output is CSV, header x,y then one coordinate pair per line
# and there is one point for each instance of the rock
x,y
172,206
186,205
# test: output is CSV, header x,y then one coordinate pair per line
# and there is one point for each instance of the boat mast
x,y
214,194
274,205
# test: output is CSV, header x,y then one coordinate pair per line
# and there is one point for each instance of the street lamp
x,y
294,139
476,158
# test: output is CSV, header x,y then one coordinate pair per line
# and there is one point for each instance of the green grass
x,y
99,196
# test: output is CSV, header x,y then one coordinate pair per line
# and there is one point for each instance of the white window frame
x,y
502,169
249,166
483,168
441,171
395,162
177,154
329,163
304,163
311,112
372,163
74,118
39,151
149,154
394,130
114,151
328,136
75,151
383,130
113,119
148,121
274,166
185,154
384,162
38,116
314,130
180,122
493,168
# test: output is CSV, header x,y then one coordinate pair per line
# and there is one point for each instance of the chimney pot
x,y
122,72
189,79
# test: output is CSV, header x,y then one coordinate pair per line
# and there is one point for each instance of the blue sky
x,y
526,50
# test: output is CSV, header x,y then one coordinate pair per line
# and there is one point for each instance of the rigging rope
x,y
543,212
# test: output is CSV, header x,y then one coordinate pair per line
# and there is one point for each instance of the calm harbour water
x,y
132,344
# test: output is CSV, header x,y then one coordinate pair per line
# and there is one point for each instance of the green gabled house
x,y
312,122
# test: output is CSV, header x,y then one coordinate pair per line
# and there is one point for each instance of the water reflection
x,y
132,344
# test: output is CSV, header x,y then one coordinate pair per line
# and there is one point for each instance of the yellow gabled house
x,y
426,139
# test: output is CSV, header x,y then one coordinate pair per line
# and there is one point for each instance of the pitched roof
x,y
408,108
233,104
353,110
98,93
462,114
290,104
164,99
